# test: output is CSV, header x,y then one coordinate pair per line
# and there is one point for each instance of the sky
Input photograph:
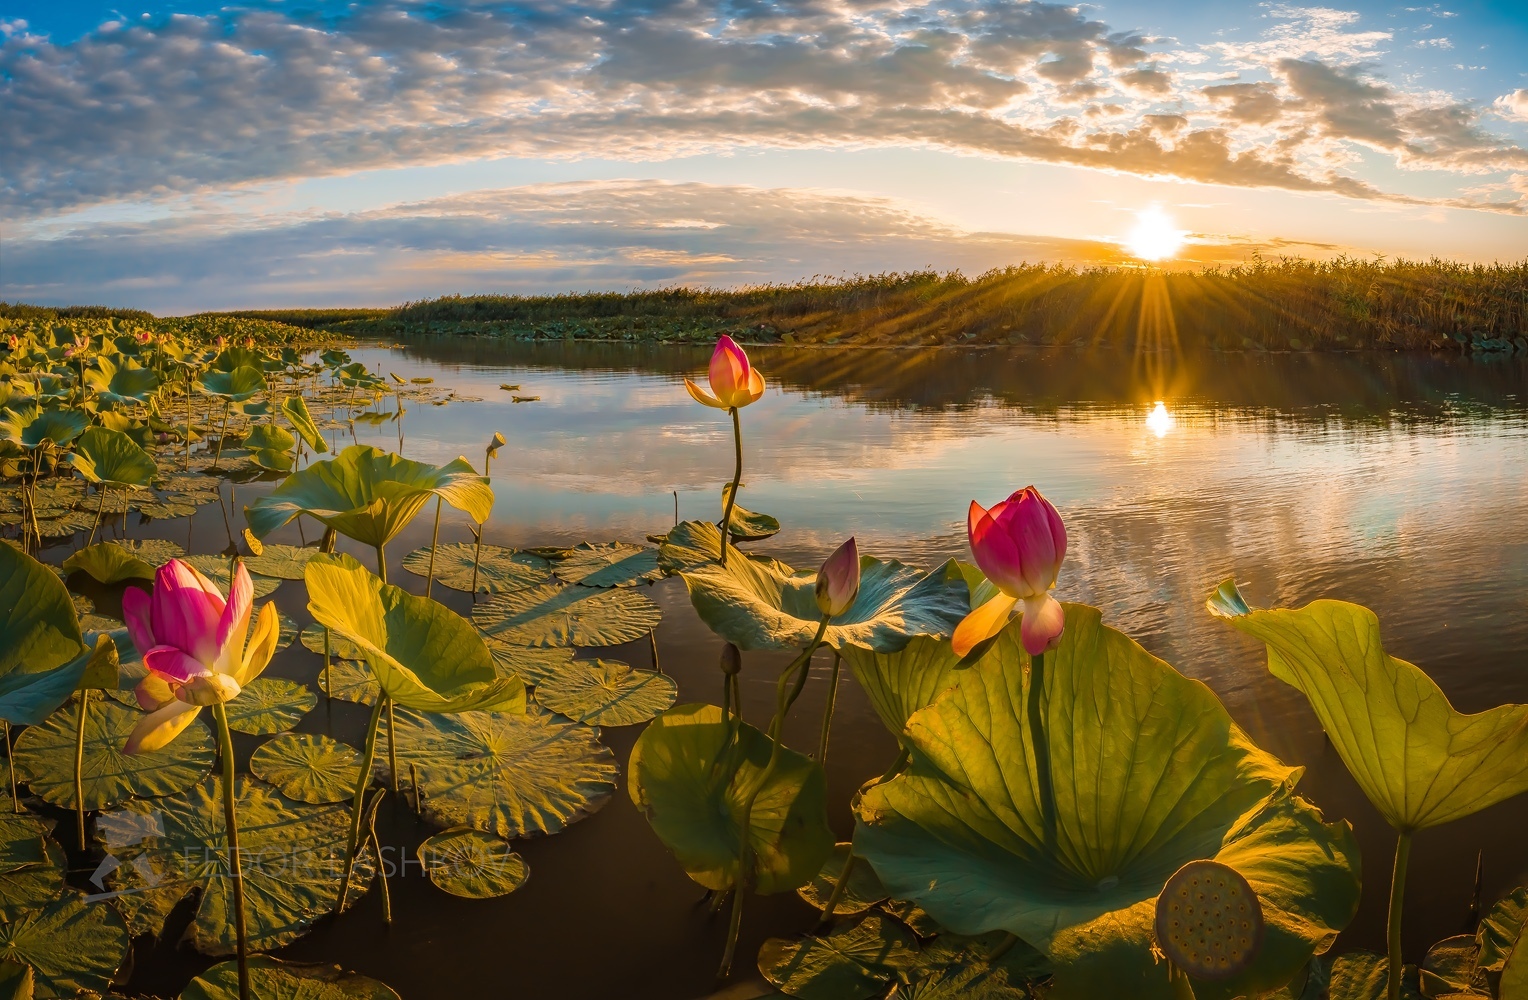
x,y
180,155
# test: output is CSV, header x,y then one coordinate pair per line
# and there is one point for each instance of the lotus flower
x,y
194,647
838,581
1019,544
734,381
12,342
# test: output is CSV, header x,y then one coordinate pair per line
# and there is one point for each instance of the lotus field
x,y
1069,817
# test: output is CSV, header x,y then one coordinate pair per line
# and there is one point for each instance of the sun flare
x,y
1159,421
1154,237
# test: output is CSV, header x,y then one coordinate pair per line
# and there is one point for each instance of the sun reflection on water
x,y
1159,421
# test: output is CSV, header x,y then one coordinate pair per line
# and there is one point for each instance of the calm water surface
x,y
1394,481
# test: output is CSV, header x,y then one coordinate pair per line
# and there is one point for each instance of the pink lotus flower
x,y
193,643
734,381
143,336
12,342
838,581
1019,544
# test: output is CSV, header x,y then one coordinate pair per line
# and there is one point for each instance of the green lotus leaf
x,y
17,981
607,693
233,358
292,853
969,980
108,562
308,768
472,864
863,891
556,615
29,698
269,705
1363,975
1501,928
425,655
350,680
500,569
72,946
1157,776
269,436
35,886
38,627
1451,969
369,495
165,508
610,564
273,979
235,386
899,684
128,382
694,801
852,963
273,460
512,775
219,570
286,631
532,665
1513,984
23,840
107,456
296,411
283,562
1420,762
689,545
154,551
30,425
745,525
312,636
45,758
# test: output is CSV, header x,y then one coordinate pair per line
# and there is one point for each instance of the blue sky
x,y
183,155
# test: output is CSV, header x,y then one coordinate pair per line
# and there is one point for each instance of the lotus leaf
x,y
293,855
308,768
899,684
532,665
273,979
1363,975
510,775
745,525
607,693
36,886
425,656
954,967
556,615
863,891
154,551
688,545
72,946
852,963
369,495
269,705
108,562
610,564
129,382
271,437
695,802
1500,929
273,459
23,840
472,864
285,634
312,636
759,603
30,425
350,680
106,456
1451,969
296,411
236,385
219,570
45,758
1420,762
1158,775
166,508
38,629
284,562
500,569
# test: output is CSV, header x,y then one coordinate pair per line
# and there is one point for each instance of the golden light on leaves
x,y
1155,236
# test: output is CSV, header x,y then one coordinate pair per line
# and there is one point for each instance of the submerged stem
x,y
236,868
368,756
737,477
79,767
1041,747
1397,902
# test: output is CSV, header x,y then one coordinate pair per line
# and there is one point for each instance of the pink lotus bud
x,y
734,382
838,581
1019,544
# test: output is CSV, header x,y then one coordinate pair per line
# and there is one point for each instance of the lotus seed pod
x,y
732,659
1209,921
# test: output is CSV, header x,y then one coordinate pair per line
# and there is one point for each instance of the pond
x,y
1394,481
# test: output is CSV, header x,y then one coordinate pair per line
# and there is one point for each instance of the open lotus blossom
x,y
838,581
734,381
193,643
1019,544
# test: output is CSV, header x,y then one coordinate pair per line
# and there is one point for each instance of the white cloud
x,y
1514,104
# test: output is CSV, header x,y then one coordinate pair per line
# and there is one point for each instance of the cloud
x,y
1515,104
535,238
160,109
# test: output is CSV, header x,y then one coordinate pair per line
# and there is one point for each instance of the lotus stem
x,y
1038,741
737,478
392,754
1397,902
429,582
1009,940
843,877
79,767
652,639
477,556
100,509
376,847
414,783
223,433
236,867
827,715
10,765
368,757
382,562
188,419
676,508
839,888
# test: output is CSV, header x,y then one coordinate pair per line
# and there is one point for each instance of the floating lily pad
x,y
505,774
529,663
558,615
854,963
293,857
23,840
954,967
610,564
307,767
65,524
864,889
109,777
352,681
501,569
286,630
607,693
165,508
312,636
284,562
269,705
472,864
273,979
36,886
72,946
216,568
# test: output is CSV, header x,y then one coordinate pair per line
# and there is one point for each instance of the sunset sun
x,y
1155,236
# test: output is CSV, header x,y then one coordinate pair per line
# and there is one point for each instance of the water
x,y
1393,481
